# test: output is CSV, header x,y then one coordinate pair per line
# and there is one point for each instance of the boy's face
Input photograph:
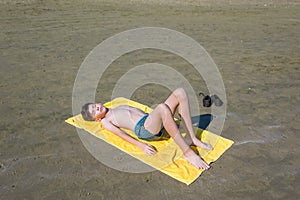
x,y
97,110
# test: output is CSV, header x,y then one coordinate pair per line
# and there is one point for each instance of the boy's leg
x,y
162,114
179,99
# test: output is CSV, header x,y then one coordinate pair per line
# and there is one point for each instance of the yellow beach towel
x,y
169,158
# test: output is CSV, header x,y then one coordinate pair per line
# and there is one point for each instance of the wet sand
x,y
256,48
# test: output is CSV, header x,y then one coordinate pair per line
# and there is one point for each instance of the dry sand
x,y
43,43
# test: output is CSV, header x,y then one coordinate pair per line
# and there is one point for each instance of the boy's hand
x,y
148,149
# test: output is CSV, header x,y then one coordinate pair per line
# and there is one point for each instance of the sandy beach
x,y
255,46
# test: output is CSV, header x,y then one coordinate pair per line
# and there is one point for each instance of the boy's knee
x,y
180,93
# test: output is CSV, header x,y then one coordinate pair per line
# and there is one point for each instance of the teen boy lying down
x,y
148,126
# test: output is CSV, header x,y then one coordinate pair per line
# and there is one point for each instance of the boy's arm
x,y
146,148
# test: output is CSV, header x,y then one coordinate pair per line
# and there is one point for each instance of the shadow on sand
x,y
202,121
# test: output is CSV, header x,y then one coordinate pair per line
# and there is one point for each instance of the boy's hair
x,y
87,116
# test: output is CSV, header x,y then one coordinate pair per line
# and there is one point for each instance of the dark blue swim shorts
x,y
142,133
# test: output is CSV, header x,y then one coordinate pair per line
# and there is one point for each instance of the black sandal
x,y
217,101
206,100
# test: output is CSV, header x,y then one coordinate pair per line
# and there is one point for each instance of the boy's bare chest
x,y
125,116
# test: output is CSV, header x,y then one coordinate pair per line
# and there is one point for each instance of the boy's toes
x,y
209,147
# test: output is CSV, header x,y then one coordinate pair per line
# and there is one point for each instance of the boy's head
x,y
93,111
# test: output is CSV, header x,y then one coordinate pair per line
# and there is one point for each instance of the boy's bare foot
x,y
202,145
195,160
198,143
